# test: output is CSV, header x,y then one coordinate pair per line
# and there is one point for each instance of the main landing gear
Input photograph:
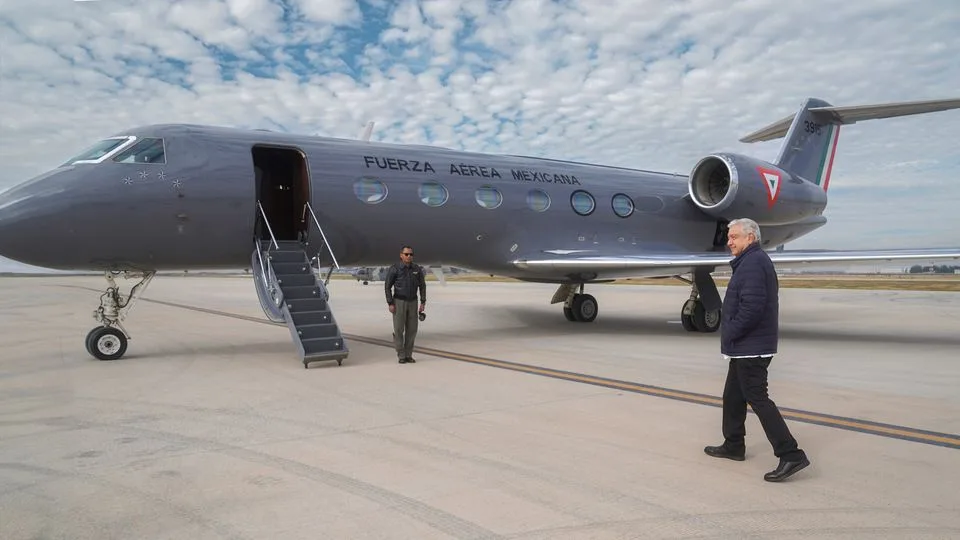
x,y
577,306
109,340
701,312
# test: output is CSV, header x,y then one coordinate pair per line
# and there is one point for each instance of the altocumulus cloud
x,y
647,84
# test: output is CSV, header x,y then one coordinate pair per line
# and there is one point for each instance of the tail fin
x,y
812,133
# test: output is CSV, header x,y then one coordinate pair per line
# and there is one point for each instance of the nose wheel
x,y
106,343
109,340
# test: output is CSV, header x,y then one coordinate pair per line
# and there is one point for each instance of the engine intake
x,y
730,186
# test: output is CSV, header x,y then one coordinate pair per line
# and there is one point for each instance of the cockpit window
x,y
98,151
147,150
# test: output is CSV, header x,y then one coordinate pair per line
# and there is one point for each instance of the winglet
x,y
367,131
853,114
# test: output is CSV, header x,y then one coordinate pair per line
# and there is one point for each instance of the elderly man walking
x,y
748,336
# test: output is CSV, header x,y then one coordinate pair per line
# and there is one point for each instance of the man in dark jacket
x,y
401,285
748,339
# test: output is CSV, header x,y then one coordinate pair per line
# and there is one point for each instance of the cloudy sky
x,y
637,83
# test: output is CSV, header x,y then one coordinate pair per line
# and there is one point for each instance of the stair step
x,y
316,331
296,280
319,346
311,317
291,292
287,257
283,244
300,305
292,267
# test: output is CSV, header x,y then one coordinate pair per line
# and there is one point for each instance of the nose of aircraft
x,y
22,215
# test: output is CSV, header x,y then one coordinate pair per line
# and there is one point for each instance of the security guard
x,y
405,279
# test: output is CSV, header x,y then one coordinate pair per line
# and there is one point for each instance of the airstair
x,y
291,292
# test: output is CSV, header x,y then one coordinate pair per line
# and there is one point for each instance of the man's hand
x,y
421,307
392,308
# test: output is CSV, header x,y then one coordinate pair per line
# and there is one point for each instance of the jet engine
x,y
730,186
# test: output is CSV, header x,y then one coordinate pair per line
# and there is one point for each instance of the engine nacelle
x,y
730,186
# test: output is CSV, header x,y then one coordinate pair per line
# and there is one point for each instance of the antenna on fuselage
x,y
367,131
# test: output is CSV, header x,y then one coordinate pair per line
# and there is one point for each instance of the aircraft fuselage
x,y
197,206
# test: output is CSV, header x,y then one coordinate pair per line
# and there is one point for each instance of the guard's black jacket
x,y
405,280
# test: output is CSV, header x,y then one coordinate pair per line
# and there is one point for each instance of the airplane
x,y
182,196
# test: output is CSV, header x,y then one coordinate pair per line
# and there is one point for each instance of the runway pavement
x,y
513,423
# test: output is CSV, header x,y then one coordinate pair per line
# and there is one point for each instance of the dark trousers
x,y
747,383
405,324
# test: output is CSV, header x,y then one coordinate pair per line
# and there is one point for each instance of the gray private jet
x,y
189,197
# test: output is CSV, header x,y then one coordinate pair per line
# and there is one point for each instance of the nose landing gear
x,y
109,341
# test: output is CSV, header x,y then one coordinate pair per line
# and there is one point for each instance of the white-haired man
x,y
749,332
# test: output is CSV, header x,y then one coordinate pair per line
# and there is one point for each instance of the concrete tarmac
x,y
513,423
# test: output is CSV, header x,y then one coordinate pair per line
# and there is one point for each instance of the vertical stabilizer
x,y
811,135
810,147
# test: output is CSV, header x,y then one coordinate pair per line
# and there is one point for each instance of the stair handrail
x,y
267,276
325,241
267,223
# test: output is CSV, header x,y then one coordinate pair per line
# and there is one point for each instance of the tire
x,y
107,343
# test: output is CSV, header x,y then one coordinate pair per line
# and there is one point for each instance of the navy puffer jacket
x,y
751,306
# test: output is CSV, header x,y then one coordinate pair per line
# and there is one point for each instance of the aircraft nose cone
x,y
14,217
25,222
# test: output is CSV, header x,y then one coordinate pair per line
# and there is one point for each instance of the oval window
x,y
433,194
538,200
622,205
370,190
488,197
582,202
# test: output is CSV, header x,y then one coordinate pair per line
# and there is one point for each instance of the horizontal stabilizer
x,y
853,114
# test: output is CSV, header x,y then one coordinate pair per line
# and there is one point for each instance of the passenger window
x,y
582,202
148,150
538,200
488,197
370,190
622,205
433,194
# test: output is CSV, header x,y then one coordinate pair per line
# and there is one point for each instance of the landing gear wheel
x,y
568,313
88,341
686,316
106,343
340,362
584,308
706,321
695,318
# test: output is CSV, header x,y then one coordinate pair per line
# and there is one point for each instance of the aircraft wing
x,y
665,264
855,113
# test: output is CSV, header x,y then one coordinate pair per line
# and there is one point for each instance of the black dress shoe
x,y
786,469
724,452
410,360
403,360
